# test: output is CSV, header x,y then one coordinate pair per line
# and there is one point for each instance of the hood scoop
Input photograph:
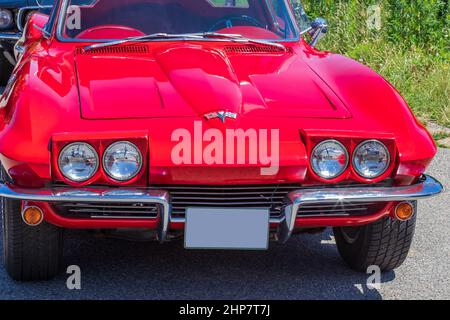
x,y
191,80
123,50
253,49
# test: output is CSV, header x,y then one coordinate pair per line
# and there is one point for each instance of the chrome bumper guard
x,y
426,187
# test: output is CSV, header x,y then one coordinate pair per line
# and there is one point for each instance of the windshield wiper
x,y
195,36
239,38
139,38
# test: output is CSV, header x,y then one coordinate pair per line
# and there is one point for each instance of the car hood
x,y
187,80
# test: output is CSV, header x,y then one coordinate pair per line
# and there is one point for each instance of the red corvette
x,y
208,120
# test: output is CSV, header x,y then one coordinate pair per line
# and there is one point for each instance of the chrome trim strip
x,y
426,188
118,218
10,36
123,195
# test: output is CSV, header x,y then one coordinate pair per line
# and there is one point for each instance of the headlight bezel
x,y
94,172
345,167
388,158
140,162
11,17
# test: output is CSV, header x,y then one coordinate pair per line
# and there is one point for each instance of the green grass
x,y
411,49
440,136
421,79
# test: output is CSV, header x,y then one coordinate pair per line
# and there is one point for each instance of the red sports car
x,y
212,121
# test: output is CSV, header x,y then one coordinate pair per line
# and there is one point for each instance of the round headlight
x,y
371,159
329,159
122,161
6,19
78,161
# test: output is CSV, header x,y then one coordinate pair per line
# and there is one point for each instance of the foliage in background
x,y
411,49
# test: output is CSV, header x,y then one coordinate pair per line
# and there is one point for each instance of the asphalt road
x,y
308,267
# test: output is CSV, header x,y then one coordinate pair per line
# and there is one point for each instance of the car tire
x,y
29,253
384,243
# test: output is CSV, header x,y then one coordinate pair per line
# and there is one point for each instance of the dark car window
x,y
100,19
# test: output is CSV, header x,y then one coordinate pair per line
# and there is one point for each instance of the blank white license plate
x,y
226,228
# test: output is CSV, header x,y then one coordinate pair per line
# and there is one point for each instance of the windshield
x,y
101,20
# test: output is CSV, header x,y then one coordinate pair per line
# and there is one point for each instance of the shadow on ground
x,y
308,267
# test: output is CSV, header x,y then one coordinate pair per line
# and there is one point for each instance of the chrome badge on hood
x,y
222,115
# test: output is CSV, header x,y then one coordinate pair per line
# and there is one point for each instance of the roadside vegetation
x,y
406,41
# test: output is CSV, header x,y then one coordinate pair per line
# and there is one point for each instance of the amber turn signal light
x,y
32,216
404,211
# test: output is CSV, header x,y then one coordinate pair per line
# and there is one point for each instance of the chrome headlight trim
x,y
388,157
140,160
347,157
92,149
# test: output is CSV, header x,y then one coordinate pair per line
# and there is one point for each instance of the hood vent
x,y
128,50
253,49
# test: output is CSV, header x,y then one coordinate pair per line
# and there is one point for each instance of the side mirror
x,y
319,28
33,31
24,14
36,29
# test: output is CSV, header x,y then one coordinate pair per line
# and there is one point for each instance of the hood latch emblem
x,y
222,115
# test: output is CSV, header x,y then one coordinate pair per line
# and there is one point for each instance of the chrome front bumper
x,y
426,187
63,194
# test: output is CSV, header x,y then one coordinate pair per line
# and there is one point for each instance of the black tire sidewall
x,y
353,253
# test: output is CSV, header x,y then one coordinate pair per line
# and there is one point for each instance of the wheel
x,y
30,253
384,243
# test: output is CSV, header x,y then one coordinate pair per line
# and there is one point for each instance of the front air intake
x,y
253,49
116,50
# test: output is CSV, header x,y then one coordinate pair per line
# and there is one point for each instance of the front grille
x,y
272,197
107,210
339,209
248,196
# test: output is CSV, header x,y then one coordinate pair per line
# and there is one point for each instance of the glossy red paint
x,y
62,94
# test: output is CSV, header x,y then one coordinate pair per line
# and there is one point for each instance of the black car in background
x,y
13,17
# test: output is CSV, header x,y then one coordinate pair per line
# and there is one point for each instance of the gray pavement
x,y
308,267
